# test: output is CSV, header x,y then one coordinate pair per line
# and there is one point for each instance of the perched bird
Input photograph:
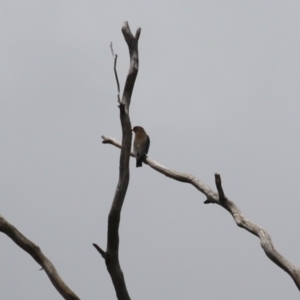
x,y
140,145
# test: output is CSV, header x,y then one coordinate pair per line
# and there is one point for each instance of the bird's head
x,y
138,129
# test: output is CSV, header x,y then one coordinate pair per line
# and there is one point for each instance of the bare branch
x,y
102,252
39,257
112,252
220,199
132,43
202,187
116,75
115,70
265,239
112,49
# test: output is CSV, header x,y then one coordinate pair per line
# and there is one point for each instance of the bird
x,y
140,145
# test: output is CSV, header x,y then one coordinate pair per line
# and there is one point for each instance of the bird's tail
x,y
139,162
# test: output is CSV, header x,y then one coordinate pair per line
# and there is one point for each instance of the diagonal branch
x,y
36,253
220,199
182,177
265,239
111,255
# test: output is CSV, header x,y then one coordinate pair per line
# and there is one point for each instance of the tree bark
x,y
111,255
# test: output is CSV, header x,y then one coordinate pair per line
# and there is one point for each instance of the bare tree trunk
x,y
111,255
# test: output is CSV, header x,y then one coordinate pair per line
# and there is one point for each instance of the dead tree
x,y
111,254
212,197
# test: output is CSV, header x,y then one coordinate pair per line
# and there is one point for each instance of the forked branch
x,y
111,255
220,199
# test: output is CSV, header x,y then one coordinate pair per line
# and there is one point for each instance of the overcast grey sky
x,y
217,91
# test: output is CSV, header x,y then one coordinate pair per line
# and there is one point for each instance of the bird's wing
x,y
147,145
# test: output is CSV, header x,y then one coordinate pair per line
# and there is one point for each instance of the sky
x,y
217,91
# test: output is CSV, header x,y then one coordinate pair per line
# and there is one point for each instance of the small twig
x,y
112,49
103,253
222,197
117,79
115,56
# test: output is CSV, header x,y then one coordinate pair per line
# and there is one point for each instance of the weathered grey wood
x,y
111,255
220,199
37,254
